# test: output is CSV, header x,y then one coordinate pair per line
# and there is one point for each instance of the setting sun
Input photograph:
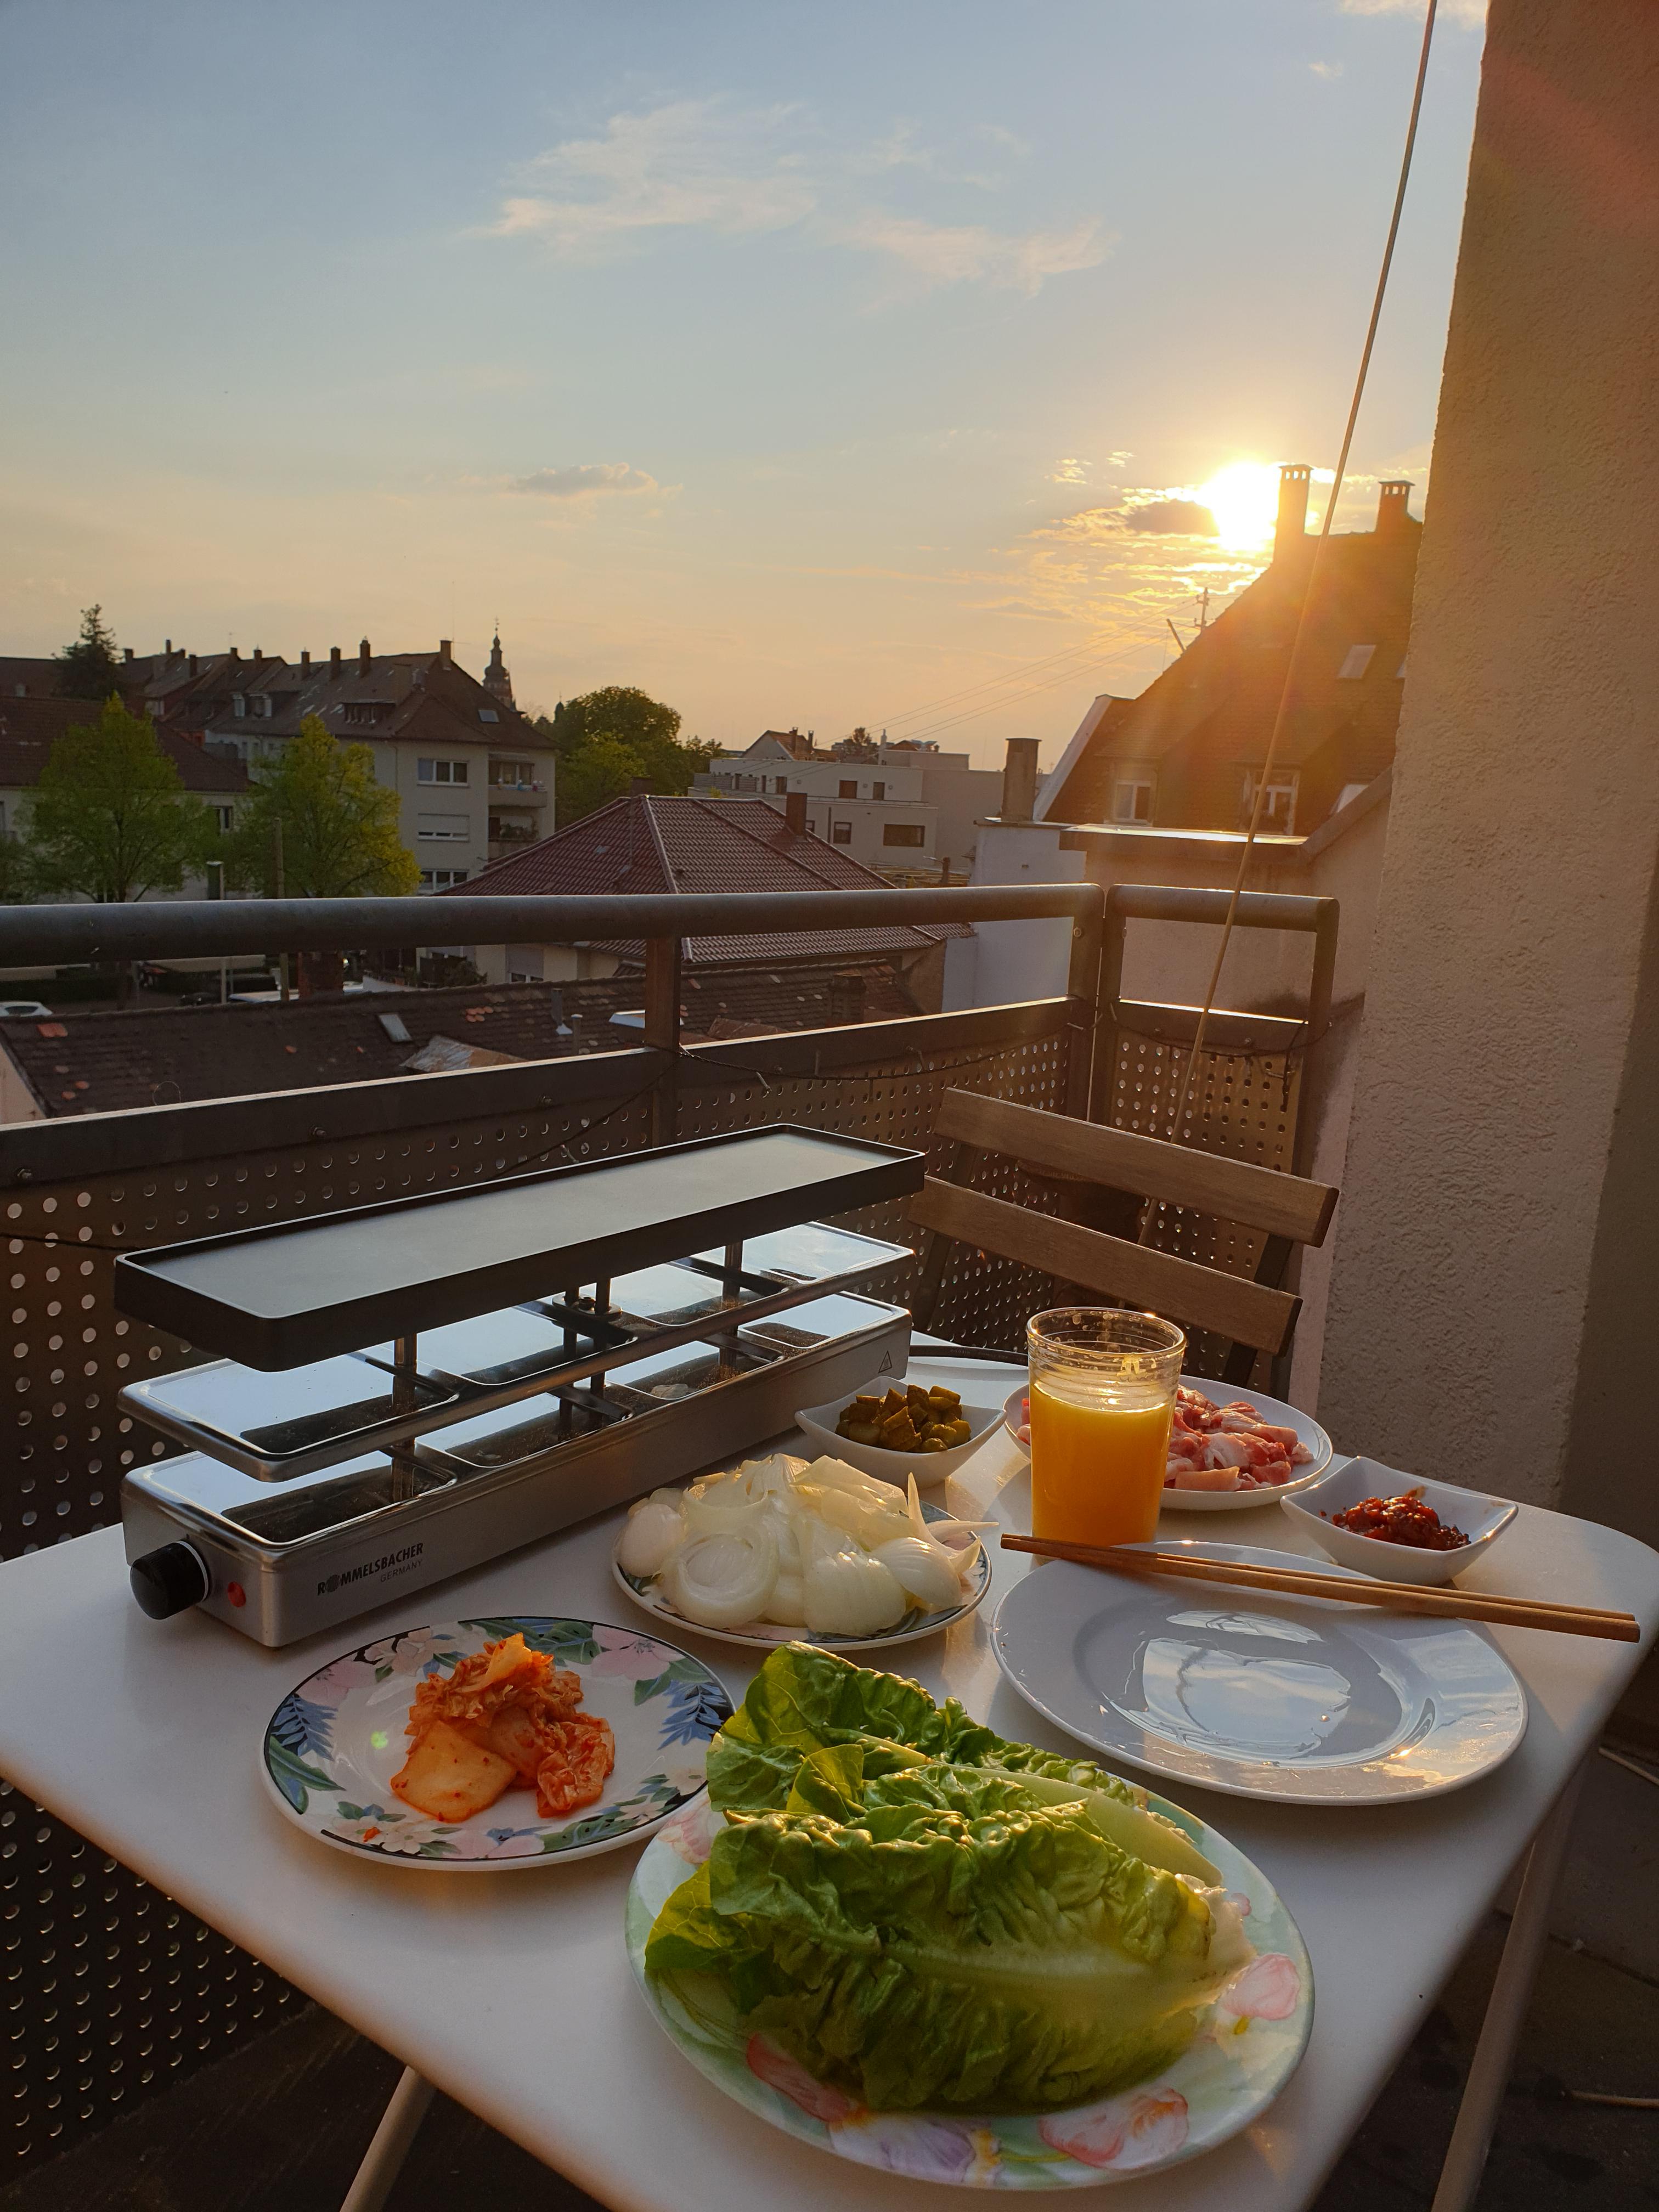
x,y
1243,497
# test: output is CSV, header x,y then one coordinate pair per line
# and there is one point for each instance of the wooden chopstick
x,y
1361,1590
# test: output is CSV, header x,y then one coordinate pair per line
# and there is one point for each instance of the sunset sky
x,y
802,365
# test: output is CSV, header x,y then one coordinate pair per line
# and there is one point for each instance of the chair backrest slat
x,y
1236,1190
1182,1290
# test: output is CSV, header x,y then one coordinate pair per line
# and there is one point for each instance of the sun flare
x,y
1243,497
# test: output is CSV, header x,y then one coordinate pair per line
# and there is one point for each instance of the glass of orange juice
x,y
1103,1391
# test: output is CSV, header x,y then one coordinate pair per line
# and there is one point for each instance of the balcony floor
x,y
280,2125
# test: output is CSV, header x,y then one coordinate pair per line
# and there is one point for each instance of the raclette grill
x,y
410,1389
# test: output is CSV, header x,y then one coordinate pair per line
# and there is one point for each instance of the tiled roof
x,y
27,675
646,843
399,698
30,727
89,1063
1217,703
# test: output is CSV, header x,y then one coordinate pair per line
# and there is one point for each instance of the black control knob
x,y
168,1581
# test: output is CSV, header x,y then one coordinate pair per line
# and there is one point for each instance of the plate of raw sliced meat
x,y
1226,1453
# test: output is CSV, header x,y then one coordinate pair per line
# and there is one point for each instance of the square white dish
x,y
819,1425
1482,1519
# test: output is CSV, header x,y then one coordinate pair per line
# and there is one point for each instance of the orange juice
x,y
1099,1450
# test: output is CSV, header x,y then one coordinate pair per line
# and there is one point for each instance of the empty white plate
x,y
1256,1694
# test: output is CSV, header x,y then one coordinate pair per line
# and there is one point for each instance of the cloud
x,y
1328,71
591,480
694,164
956,253
1167,518
902,148
708,166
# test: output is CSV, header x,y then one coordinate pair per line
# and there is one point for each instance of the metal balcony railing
x,y
76,1192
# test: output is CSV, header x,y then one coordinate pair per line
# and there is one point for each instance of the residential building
x,y
904,809
646,843
474,778
1188,753
32,723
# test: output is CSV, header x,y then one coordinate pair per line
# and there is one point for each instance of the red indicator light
x,y
235,1593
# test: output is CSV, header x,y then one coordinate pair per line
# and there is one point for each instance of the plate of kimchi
x,y
1226,1452
505,1742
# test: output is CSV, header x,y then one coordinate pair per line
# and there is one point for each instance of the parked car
x,y
24,1010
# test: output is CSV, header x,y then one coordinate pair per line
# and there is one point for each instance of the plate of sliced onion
x,y
1225,1455
785,1551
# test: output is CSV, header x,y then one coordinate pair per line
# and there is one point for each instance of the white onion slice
x,y
786,1605
655,1525
848,1592
721,1581
924,1571
721,1507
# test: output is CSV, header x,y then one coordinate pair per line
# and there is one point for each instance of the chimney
x,y
794,812
258,655
234,653
126,652
334,660
1019,780
446,647
305,656
167,648
1292,523
190,662
1393,512
364,657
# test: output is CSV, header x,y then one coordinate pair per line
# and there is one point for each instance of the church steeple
x,y
496,679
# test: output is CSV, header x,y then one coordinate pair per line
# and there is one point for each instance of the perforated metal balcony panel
x,y
296,1292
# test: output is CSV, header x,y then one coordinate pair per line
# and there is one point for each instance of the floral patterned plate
x,y
1257,2033
334,1743
767,1636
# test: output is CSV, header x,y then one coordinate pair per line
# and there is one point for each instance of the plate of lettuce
x,y
896,1935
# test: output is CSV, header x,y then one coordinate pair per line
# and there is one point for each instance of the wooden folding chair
x,y
1255,1314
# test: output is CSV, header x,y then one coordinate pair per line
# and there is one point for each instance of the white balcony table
x,y
515,1995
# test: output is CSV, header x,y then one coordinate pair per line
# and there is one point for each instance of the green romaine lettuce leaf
x,y
804,1698
926,1932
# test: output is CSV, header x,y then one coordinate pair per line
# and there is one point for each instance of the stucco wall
x,y
1493,1308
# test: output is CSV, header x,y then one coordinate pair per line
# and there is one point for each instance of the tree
x,y
607,739
109,819
596,773
17,877
339,827
89,669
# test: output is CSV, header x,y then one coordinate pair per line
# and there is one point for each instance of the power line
x,y
1287,690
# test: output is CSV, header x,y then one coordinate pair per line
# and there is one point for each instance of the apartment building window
x,y
488,714
780,783
1131,799
848,789
878,791
441,771
511,775
226,818
903,832
1278,805
441,879
262,706
238,705
455,828
840,833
